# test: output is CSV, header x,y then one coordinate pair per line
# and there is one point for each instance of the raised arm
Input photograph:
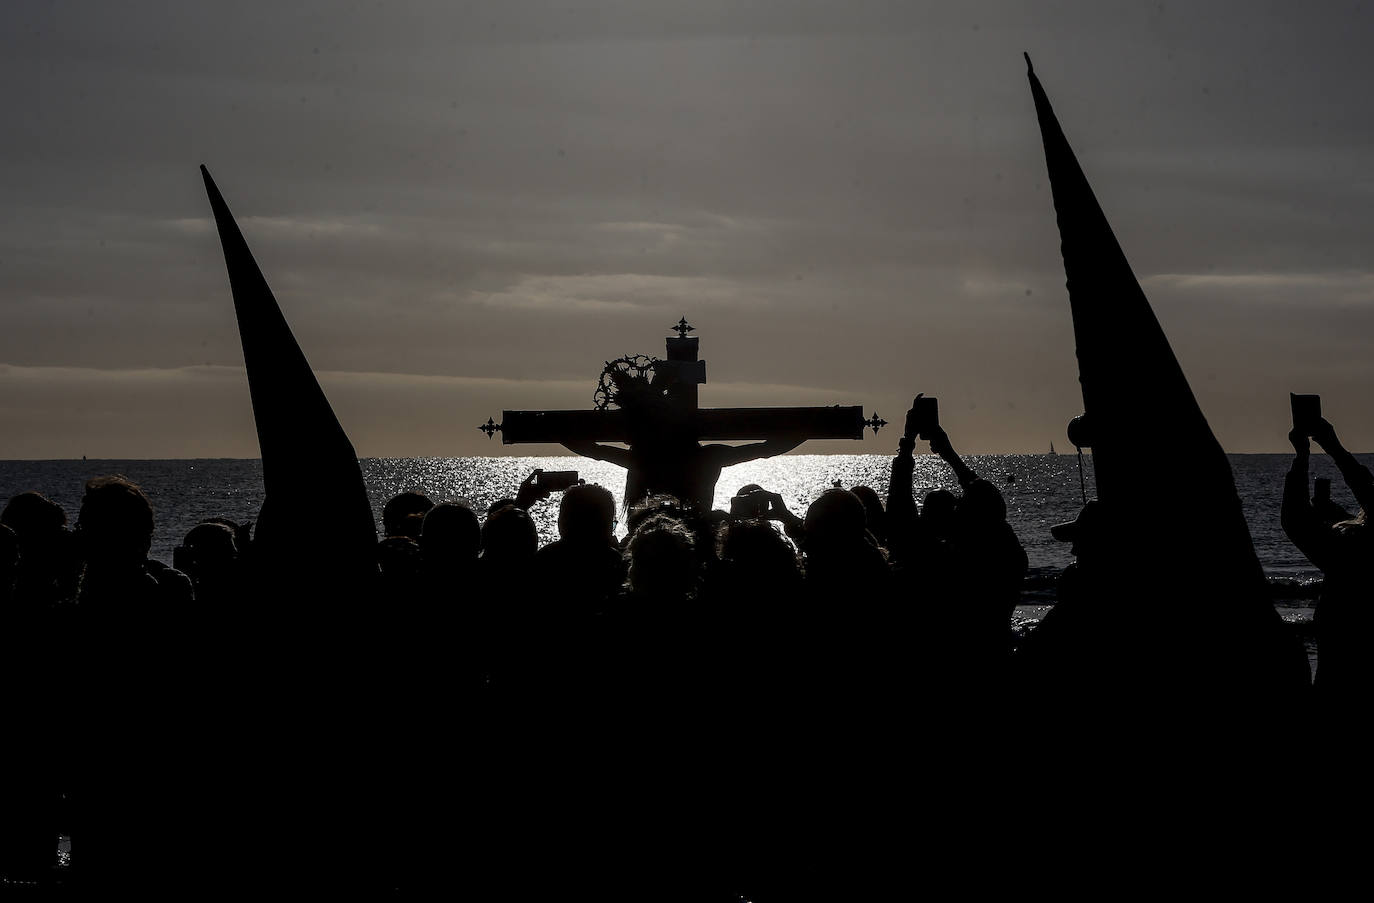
x,y
901,502
940,444
791,524
1299,520
530,493
1356,475
610,453
726,455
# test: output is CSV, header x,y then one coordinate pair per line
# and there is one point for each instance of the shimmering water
x,y
1040,490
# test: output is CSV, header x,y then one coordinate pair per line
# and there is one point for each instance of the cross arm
x,y
834,422
712,424
563,426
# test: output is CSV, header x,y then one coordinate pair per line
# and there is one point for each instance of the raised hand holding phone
x,y
923,418
1307,413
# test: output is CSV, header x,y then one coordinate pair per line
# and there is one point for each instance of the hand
x,y
1325,434
1299,440
530,492
912,426
939,441
777,508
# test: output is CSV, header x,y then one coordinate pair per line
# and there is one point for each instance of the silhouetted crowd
x,y
540,707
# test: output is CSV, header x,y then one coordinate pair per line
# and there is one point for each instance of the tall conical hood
x,y
309,467
1159,468
1134,391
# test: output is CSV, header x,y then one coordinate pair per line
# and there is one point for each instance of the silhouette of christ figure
x,y
664,456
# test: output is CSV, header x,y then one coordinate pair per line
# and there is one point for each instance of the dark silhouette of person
x,y
504,588
40,569
645,509
30,778
135,623
759,574
565,648
115,529
1326,510
937,513
209,556
658,627
509,541
840,553
403,514
875,518
49,565
753,602
398,557
915,533
664,456
663,562
849,619
434,635
450,542
922,572
450,545
1070,650
1344,551
9,563
582,571
986,566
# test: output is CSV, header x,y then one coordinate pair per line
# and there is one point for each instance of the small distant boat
x,y
1052,451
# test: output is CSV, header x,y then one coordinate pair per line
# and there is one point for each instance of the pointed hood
x,y
308,464
1134,391
1158,466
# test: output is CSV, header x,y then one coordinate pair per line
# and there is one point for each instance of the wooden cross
x,y
685,372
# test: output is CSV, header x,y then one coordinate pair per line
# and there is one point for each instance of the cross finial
x,y
490,427
682,327
875,422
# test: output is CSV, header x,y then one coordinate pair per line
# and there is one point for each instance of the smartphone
x,y
754,504
926,414
556,480
1307,412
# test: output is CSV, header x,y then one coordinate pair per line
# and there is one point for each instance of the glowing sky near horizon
x,y
469,207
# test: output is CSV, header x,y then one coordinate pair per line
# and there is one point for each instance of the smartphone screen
x,y
1307,412
927,415
557,480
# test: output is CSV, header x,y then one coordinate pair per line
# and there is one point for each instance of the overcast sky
x,y
469,207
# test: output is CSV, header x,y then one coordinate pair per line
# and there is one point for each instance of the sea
x,y
1040,490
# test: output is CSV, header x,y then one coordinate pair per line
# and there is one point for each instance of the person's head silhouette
x,y
835,520
450,535
404,513
586,515
509,536
116,522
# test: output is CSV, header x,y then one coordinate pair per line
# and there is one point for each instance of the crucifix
x,y
651,405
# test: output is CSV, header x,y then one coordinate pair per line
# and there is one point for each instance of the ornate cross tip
x,y
682,328
490,427
875,422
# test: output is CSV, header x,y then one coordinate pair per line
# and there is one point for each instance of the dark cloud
x,y
846,197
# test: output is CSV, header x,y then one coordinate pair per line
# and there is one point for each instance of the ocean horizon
x,y
1040,490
